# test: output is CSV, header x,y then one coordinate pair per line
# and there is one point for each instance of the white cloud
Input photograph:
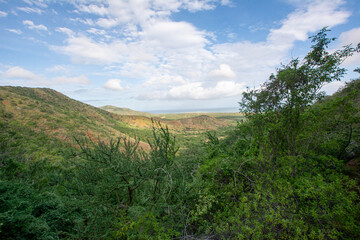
x,y
140,12
165,80
178,60
119,12
199,5
65,30
151,36
113,84
3,14
227,3
85,50
95,9
39,3
57,68
86,21
315,16
96,31
82,79
249,56
351,37
31,25
16,31
161,39
224,71
332,87
20,73
196,90
254,61
167,5
174,35
135,11
107,22
31,78
30,10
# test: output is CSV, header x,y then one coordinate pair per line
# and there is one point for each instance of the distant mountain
x,y
179,121
124,111
192,120
202,122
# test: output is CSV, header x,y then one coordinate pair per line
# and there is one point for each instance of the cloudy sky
x,y
163,55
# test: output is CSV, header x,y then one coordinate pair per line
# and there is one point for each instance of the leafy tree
x,y
276,108
145,190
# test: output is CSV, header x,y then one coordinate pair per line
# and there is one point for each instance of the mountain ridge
x,y
124,111
46,110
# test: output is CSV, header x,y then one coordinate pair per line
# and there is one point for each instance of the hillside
x,y
351,89
347,104
198,123
124,111
203,122
48,111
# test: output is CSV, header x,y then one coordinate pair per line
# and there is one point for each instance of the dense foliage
x,y
278,175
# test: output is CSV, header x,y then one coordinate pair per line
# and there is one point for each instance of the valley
x,y
287,167
48,112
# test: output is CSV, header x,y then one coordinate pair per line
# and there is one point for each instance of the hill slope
x,y
124,111
48,111
199,123
203,122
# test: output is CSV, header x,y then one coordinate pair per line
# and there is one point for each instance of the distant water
x,y
203,110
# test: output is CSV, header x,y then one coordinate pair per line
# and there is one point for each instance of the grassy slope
x,y
45,111
198,123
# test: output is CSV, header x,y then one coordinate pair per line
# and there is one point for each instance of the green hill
x,y
351,89
47,111
125,111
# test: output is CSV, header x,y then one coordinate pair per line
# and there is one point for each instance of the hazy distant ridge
x,y
124,111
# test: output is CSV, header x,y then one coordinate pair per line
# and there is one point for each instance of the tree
x,y
276,108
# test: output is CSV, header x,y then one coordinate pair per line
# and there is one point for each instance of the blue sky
x,y
161,55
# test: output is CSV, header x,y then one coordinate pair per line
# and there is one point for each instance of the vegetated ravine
x,y
288,169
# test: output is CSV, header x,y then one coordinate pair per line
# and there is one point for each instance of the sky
x,y
164,55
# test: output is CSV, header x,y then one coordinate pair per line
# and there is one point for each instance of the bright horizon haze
x,y
164,55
